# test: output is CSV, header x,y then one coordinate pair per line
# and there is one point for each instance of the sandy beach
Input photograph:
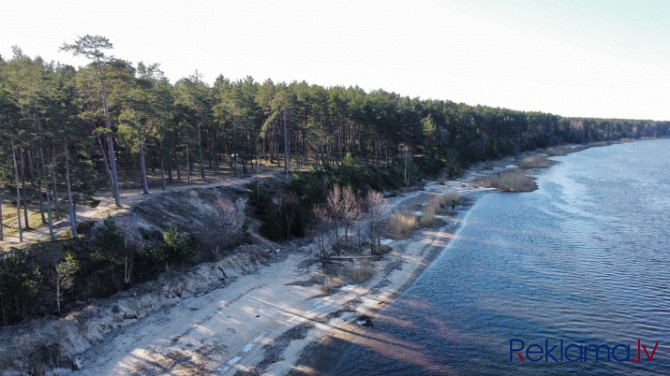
x,y
261,321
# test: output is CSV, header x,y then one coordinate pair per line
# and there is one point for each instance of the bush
x,y
279,222
535,161
84,227
363,273
271,227
20,283
327,286
176,247
402,224
556,151
450,198
260,197
90,201
510,181
428,213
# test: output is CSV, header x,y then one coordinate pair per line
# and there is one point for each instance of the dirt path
x,y
107,206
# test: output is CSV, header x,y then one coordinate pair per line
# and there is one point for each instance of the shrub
x,y
90,201
535,161
271,227
402,224
327,286
428,213
175,248
363,273
510,181
260,197
108,246
555,151
450,197
19,287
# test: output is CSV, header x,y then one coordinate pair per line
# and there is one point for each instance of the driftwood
x,y
350,257
340,259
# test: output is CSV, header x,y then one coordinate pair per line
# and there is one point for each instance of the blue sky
x,y
573,58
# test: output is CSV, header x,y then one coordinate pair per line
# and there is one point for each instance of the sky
x,y
588,58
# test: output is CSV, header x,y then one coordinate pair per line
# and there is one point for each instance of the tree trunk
x,y
143,165
2,233
105,162
58,292
68,181
257,154
18,191
188,166
23,189
176,163
53,181
50,222
286,156
41,200
46,186
202,163
55,195
162,167
110,141
34,169
214,163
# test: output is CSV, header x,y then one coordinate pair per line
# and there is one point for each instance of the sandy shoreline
x,y
260,318
261,322
418,252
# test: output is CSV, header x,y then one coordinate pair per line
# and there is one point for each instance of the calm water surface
x,y
584,259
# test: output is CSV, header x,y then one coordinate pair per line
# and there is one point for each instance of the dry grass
x,y
331,282
554,151
450,197
363,273
402,224
510,181
428,213
327,286
535,161
10,222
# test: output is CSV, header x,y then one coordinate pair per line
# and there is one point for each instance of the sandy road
x,y
221,332
107,206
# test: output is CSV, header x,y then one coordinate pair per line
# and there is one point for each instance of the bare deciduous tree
x,y
323,231
376,207
334,211
350,211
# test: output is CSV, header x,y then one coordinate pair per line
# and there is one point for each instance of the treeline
x,y
74,130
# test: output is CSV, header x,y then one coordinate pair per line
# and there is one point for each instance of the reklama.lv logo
x,y
574,352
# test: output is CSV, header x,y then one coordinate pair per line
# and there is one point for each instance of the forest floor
x,y
107,207
252,312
